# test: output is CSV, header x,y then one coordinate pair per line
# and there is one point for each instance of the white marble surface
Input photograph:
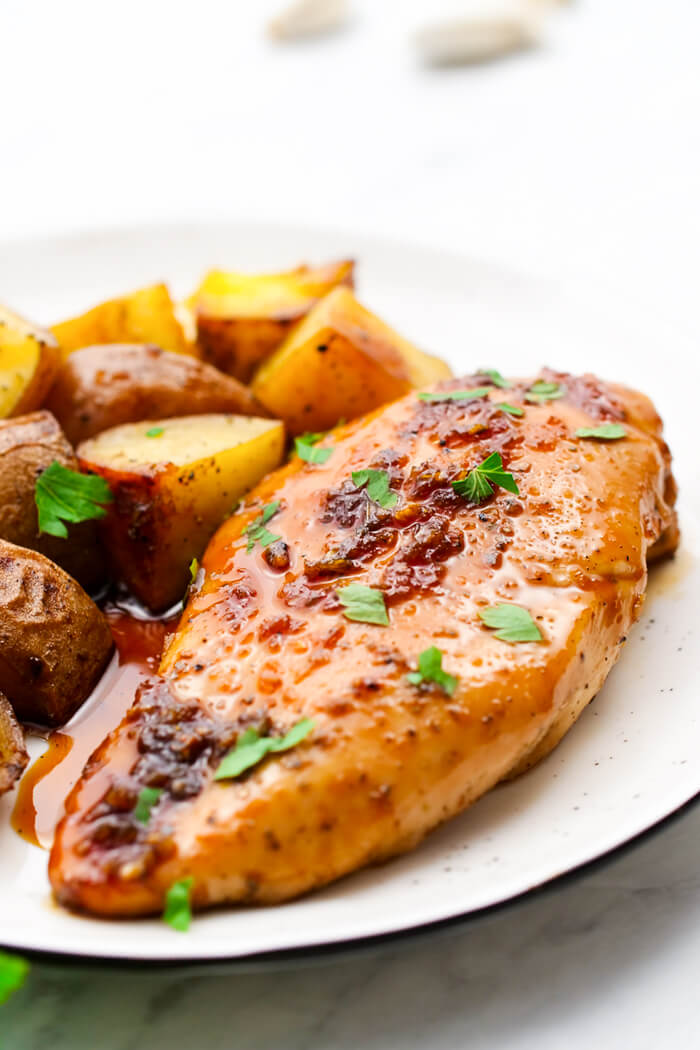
x,y
608,961
583,156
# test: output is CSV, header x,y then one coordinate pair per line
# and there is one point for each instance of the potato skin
x,y
100,387
237,345
28,445
54,641
135,533
13,754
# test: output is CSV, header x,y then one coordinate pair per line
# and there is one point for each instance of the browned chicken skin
x,y
265,643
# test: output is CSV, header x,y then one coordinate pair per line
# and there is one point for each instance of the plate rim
x,y
491,265
349,947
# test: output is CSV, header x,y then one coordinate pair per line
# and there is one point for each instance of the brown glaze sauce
x,y
47,782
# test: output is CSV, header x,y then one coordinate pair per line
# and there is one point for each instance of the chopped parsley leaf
x,y
155,432
251,748
496,378
430,670
178,912
512,623
512,410
147,799
13,974
256,531
304,447
479,482
605,432
377,482
64,495
457,395
363,604
542,391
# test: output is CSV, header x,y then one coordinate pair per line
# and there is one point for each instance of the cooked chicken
x,y
267,641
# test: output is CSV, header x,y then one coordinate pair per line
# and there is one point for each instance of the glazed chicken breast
x,y
560,537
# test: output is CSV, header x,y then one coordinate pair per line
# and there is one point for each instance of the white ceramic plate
x,y
634,756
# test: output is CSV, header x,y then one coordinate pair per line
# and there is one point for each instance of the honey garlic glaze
x,y
264,642
45,785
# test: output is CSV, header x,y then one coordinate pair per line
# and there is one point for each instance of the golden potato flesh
x,y
242,318
13,754
145,316
339,363
174,482
29,360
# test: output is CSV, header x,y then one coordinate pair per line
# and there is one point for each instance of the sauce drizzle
x,y
48,781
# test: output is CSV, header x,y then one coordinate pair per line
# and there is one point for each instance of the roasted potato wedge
x,y
146,316
339,363
54,641
28,445
29,361
172,490
242,318
101,387
13,754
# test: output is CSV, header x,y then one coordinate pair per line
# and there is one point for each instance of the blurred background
x,y
580,152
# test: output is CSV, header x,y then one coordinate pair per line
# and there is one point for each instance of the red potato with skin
x,y
100,387
28,446
54,641
13,753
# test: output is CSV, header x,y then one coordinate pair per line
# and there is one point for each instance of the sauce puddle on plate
x,y
48,781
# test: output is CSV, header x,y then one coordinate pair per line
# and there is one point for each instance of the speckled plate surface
x,y
634,756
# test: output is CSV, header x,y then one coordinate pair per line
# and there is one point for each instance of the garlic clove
x,y
307,18
482,35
